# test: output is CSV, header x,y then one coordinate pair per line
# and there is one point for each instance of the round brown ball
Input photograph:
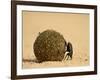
x,y
49,46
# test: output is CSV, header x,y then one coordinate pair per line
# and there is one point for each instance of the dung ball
x,y
49,46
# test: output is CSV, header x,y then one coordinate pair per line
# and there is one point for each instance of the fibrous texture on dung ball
x,y
49,46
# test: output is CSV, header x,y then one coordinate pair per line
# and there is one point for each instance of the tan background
x,y
74,28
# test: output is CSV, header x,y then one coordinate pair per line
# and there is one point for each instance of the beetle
x,y
68,51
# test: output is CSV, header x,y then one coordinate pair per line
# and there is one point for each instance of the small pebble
x,y
86,59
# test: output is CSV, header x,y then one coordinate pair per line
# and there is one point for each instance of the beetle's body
x,y
68,51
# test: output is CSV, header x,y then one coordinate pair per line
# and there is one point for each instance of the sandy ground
x,y
80,60
74,28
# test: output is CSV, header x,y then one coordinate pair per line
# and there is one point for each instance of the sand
x,y
76,61
74,28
